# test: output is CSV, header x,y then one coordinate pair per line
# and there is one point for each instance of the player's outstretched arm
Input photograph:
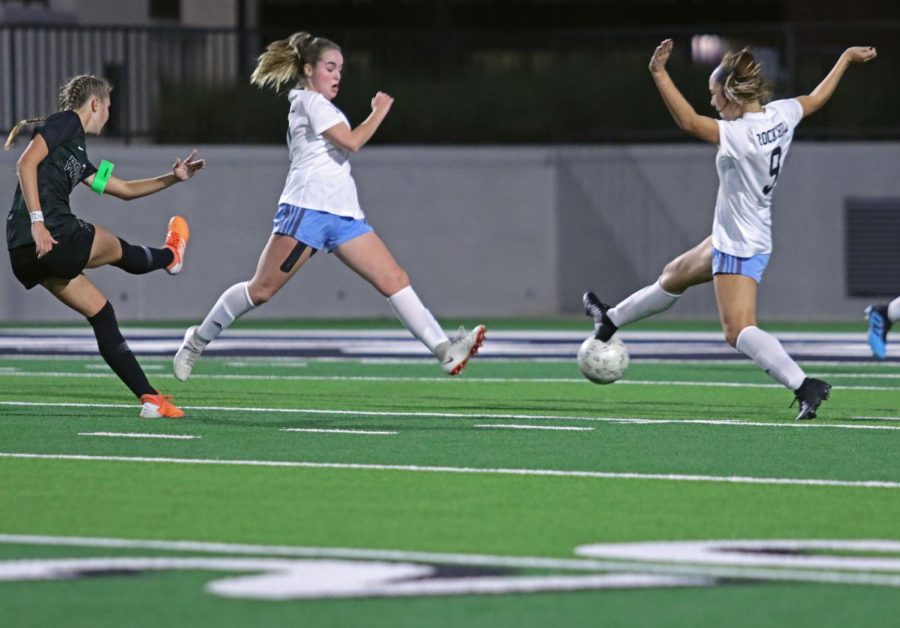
x,y
823,91
341,135
701,127
182,170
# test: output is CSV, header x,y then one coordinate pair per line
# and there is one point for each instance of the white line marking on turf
x,y
445,380
512,426
337,431
668,477
138,435
484,560
463,416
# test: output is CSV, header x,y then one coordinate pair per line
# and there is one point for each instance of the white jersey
x,y
319,177
752,150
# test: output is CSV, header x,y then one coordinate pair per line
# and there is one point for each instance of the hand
x,y
660,56
382,102
860,54
184,170
43,241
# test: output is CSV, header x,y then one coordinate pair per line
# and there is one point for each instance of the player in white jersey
x,y
753,142
881,317
319,209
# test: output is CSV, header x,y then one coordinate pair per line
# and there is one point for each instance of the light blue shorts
x,y
753,267
320,230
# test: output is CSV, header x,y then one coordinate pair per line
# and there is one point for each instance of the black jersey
x,y
65,166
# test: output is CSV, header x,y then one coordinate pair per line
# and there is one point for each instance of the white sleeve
x,y
794,111
322,114
726,138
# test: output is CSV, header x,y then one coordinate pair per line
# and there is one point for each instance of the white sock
x,y
894,310
641,304
234,303
768,354
417,319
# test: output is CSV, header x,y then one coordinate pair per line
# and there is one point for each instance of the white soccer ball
x,y
603,362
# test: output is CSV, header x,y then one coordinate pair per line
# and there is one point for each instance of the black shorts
x,y
66,259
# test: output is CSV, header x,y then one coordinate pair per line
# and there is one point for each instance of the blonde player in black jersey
x,y
753,141
49,246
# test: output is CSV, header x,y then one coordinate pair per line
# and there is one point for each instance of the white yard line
x,y
511,426
481,560
336,431
138,435
666,477
442,380
472,416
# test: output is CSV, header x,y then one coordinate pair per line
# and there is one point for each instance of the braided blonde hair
x,y
77,91
740,76
283,60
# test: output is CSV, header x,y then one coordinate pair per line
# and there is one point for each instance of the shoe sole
x,y
155,414
876,344
479,340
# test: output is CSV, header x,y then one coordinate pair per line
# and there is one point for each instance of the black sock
x,y
115,351
138,260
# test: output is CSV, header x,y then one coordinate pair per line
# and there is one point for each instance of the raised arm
x,y
182,170
702,127
823,91
341,135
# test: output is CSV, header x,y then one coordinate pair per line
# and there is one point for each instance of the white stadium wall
x,y
482,231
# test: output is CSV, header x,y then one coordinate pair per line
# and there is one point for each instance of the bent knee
x,y
393,282
260,294
732,331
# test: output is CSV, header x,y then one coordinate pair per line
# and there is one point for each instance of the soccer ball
x,y
602,362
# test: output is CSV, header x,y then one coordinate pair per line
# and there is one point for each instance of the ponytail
x,y
284,59
740,76
11,138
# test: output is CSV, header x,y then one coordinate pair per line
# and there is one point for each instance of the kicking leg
x,y
138,260
368,257
688,269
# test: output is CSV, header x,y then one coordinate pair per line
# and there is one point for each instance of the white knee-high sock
x,y
234,303
416,318
768,354
894,310
641,304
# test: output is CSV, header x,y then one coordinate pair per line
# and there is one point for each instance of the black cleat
x,y
604,328
811,394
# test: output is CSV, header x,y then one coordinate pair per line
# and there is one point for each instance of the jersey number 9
x,y
774,167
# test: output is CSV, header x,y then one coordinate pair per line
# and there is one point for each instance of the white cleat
x,y
188,354
462,347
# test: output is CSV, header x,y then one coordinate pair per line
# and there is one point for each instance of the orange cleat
x,y
176,241
159,406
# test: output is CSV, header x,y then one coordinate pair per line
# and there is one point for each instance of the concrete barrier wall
x,y
481,231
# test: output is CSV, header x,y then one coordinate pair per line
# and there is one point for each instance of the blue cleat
x,y
879,326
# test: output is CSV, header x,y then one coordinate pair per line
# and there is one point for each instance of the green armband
x,y
101,178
